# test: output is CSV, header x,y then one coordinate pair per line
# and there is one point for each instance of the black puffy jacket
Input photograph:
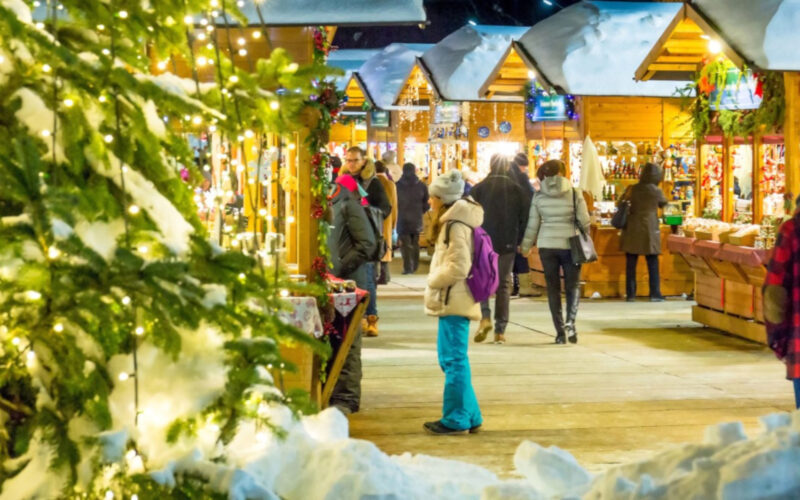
x,y
505,211
352,239
412,203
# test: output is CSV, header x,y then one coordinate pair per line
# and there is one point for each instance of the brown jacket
x,y
390,222
642,234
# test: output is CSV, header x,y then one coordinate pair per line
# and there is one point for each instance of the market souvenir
x,y
581,245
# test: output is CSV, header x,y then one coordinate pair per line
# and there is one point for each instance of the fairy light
x,y
162,65
58,327
188,20
123,14
249,134
33,295
46,68
102,98
15,341
142,249
109,495
210,46
274,105
241,41
242,276
203,21
134,209
53,253
106,52
100,27
242,52
123,376
108,138
256,35
234,79
67,102
201,61
40,26
46,133
139,331
126,301
284,293
262,212
197,120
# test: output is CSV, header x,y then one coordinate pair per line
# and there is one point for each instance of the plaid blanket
x,y
782,298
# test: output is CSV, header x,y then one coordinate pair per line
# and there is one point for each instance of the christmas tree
x,y
128,339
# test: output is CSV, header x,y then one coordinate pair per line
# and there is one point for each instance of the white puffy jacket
x,y
447,293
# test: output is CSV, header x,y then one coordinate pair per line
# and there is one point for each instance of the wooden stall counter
x,y
607,276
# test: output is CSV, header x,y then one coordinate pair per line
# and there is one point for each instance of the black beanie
x,y
521,159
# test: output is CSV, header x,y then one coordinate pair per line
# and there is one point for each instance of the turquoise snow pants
x,y
460,409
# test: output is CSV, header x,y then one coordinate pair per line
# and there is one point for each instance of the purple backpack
x,y
482,279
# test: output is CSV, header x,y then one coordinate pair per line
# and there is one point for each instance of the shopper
x,y
363,170
351,242
389,158
448,297
412,203
389,223
505,214
523,284
642,233
550,226
336,166
782,299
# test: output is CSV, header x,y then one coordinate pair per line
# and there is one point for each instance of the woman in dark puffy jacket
x,y
642,233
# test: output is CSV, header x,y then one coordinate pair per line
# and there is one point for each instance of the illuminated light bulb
x,y
123,14
106,52
290,219
242,52
123,377
214,4
209,28
234,79
15,341
262,212
102,98
46,68
240,138
292,146
204,21
531,75
241,41
212,128
162,65
269,217
67,102
206,168
133,209
139,331
274,105
134,497
46,133
2,59
124,169
242,276
40,26
240,3
187,117
256,35
251,181
109,495
210,62
201,61
188,20
714,46
33,295
58,327
36,3
53,252
235,243
210,46
249,134
284,293
126,300
31,356
197,120
100,27
108,138
142,249
201,36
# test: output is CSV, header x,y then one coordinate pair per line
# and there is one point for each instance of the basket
x,y
747,240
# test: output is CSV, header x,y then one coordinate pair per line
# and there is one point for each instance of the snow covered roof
x,y
763,32
382,76
595,47
338,13
460,64
349,60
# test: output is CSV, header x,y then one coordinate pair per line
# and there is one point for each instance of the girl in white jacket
x,y
448,297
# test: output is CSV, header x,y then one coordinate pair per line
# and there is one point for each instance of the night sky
x,y
446,16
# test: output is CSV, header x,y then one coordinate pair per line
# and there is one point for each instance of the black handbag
x,y
620,219
581,246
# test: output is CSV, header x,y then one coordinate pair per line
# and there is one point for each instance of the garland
x,y
702,96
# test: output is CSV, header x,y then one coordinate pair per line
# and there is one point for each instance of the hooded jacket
x,y
412,203
551,222
390,222
642,234
505,208
352,240
447,293
376,195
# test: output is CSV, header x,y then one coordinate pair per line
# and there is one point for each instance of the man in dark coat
x,y
412,203
363,170
505,208
523,285
351,241
642,233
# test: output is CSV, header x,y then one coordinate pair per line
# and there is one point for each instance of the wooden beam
x,y
657,48
694,59
484,90
531,64
672,67
709,29
791,133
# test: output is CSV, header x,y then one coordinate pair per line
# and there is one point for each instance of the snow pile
x,y
385,73
313,12
595,48
763,32
461,63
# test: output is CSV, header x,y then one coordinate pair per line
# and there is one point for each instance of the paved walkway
x,y
642,377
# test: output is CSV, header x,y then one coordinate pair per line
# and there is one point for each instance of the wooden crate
x,y
758,304
730,324
709,291
727,270
739,298
307,375
755,275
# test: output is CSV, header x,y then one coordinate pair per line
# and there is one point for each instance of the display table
x,y
729,279
304,314
606,276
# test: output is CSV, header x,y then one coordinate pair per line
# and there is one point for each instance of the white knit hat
x,y
448,187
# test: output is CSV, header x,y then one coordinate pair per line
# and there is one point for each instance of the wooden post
x,y
791,133
727,179
699,193
306,225
758,173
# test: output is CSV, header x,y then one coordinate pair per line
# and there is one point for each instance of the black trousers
x,y
409,249
555,261
652,273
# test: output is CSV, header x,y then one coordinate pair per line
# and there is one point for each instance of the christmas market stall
x,y
628,123
466,129
744,110
351,128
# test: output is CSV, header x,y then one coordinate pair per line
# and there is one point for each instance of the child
x,y
448,297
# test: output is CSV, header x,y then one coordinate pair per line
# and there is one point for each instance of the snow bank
x,y
595,48
385,73
462,62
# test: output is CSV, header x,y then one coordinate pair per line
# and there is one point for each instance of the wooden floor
x,y
642,378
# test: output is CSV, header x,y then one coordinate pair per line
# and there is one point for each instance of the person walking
x,y
782,299
412,203
363,170
448,297
389,158
351,242
523,284
642,233
550,226
505,213
389,223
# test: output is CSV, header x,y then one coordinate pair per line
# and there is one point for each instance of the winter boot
x,y
527,288
499,338
515,285
483,330
439,429
372,326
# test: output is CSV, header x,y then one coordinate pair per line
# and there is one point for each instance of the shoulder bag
x,y
581,245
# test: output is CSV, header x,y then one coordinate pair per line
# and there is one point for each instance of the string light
x,y
162,65
142,249
201,61
126,300
46,68
188,20
123,14
108,138
102,98
256,35
234,79
33,295
274,105
249,134
106,52
53,253
58,327
284,293
46,133
197,120
241,41
210,46
40,26
100,27
67,102
15,341
139,331
133,209
242,52
123,377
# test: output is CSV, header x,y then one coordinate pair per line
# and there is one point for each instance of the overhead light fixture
x,y
472,23
547,2
531,75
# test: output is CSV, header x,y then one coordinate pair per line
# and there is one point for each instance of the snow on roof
x,y
462,62
339,13
385,73
349,60
595,47
764,32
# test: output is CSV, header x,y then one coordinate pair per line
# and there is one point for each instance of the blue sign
x,y
739,92
505,127
549,108
447,112
379,118
483,132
